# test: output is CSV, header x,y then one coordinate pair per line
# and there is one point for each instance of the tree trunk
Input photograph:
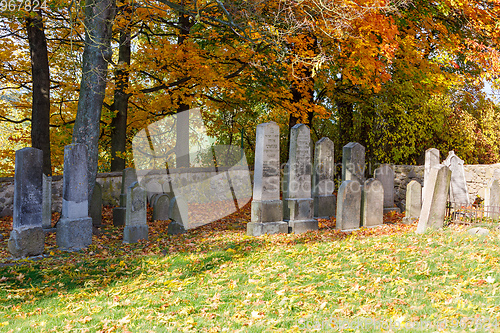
x,y
40,111
99,15
120,104
346,120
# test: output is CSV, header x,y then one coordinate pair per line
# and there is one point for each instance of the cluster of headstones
x,y
308,186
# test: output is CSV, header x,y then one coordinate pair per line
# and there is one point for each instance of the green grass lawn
x,y
216,279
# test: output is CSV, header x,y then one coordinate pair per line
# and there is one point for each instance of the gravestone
x,y
459,194
372,203
129,176
492,199
431,160
435,198
267,208
160,207
413,202
349,206
385,175
136,226
298,206
27,237
178,213
74,229
353,162
323,179
96,206
47,204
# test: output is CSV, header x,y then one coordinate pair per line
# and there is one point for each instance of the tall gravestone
x,y
459,194
298,206
27,237
129,176
96,206
47,203
136,226
413,202
353,162
372,203
431,160
349,206
160,207
385,175
435,198
267,208
323,179
178,213
492,199
74,229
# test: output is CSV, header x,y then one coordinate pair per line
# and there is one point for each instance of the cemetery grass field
x,y
217,279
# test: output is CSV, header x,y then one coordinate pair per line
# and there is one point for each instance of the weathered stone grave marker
x,y
298,206
459,194
385,175
74,229
178,213
431,160
353,162
413,202
136,226
47,204
492,199
267,208
435,198
323,179
161,206
372,203
96,206
349,206
27,237
129,176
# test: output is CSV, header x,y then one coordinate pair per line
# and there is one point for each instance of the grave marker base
x,y
267,211
270,228
132,234
175,228
298,227
26,241
74,234
325,206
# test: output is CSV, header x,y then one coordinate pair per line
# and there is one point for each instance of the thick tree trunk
x,y
99,15
120,104
346,120
40,112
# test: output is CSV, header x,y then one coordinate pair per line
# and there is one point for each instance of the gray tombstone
x,y
27,237
413,202
298,206
47,204
385,175
349,206
129,176
267,208
372,203
96,206
160,207
431,160
459,194
435,198
74,229
178,213
353,162
136,226
492,199
323,184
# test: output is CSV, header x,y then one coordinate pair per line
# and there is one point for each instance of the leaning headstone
x,y
372,203
492,199
74,229
298,206
431,160
323,179
129,176
27,237
349,206
160,207
96,206
136,226
459,194
267,208
435,198
385,175
178,213
413,202
353,162
47,204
